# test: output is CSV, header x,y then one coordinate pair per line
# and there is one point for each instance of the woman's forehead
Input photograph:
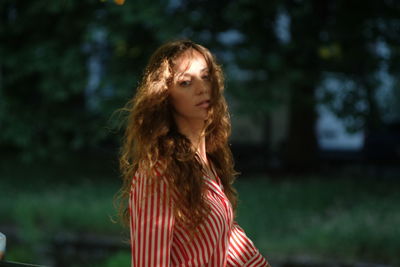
x,y
190,61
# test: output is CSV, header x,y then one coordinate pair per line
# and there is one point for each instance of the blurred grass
x,y
347,219
351,219
75,196
117,260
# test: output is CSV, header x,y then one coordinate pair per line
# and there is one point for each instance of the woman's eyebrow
x,y
182,74
186,74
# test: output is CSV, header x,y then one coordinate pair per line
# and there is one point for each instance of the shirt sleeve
x,y
242,251
151,222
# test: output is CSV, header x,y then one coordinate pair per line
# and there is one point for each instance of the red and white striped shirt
x,y
157,239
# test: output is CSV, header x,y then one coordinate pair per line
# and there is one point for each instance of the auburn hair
x,y
151,137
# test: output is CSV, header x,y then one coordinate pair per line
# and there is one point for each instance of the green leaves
x,y
46,108
67,65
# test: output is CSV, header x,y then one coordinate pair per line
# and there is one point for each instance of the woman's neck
x,y
201,149
194,131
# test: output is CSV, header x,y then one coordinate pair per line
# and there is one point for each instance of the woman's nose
x,y
202,87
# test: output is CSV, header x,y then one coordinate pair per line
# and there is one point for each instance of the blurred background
x,y
314,94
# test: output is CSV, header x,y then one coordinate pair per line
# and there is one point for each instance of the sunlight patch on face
x,y
184,63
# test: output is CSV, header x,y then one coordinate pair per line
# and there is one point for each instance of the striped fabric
x,y
158,240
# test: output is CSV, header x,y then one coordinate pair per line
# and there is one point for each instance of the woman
x,y
178,168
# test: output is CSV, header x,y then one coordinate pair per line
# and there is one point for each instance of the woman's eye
x,y
206,77
184,83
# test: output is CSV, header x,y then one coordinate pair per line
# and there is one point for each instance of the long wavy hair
x,y
151,137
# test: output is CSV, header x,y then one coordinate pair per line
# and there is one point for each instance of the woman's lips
x,y
204,104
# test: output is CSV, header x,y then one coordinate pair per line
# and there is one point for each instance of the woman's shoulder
x,y
150,180
156,172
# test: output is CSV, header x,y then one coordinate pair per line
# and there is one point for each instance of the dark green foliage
x,y
46,49
44,74
46,109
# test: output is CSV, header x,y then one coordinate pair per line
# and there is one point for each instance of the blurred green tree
x,y
43,76
65,67
284,51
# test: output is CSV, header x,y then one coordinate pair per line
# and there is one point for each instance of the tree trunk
x,y
301,148
307,21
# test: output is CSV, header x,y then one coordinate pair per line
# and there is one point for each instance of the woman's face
x,y
190,88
